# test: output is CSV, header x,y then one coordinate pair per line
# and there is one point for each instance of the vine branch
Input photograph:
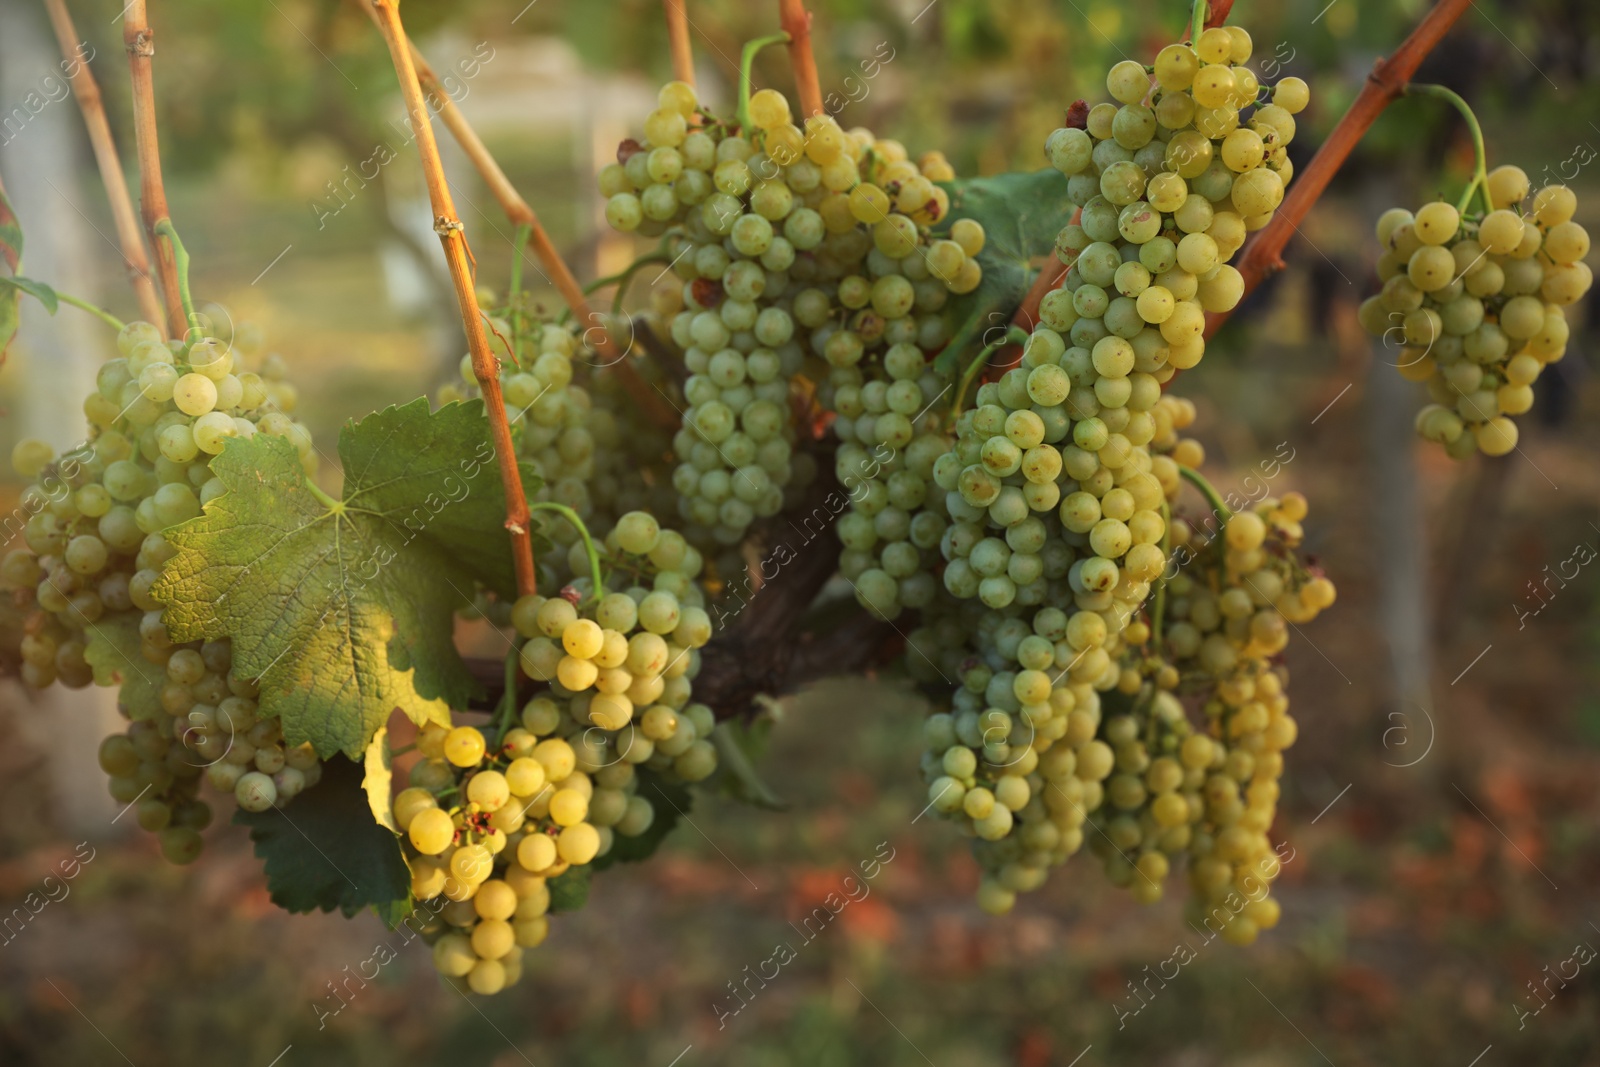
x,y
520,213
1263,256
796,22
678,39
87,92
140,42
452,236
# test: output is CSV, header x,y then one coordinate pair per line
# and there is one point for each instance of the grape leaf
x,y
671,802
114,653
1021,215
344,610
379,780
38,290
11,252
569,890
323,850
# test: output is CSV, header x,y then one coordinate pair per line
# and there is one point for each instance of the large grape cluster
x,y
1475,305
788,240
95,547
1168,192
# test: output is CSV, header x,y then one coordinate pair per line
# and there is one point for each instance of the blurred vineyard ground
x,y
1421,901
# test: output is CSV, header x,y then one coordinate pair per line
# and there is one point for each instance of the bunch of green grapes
x,y
788,240
1226,622
1169,190
578,430
93,542
620,671
95,546
1015,760
1475,305
1049,510
486,827
486,824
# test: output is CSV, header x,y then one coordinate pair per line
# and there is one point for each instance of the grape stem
x,y
1263,256
623,277
1197,23
1158,605
135,260
513,300
452,237
583,532
1480,177
505,714
747,62
98,312
180,260
138,39
1198,480
518,211
1014,335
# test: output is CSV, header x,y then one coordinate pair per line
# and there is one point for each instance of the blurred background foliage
x,y
1427,901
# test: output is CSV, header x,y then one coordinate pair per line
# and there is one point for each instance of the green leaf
x,y
38,290
324,851
739,745
11,252
1021,215
113,650
671,802
10,234
344,610
569,890
379,779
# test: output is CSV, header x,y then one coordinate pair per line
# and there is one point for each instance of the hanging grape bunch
x,y
790,242
1474,304
95,548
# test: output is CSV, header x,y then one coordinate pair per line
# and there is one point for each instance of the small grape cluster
x,y
1015,760
579,433
1168,193
1475,305
95,547
486,825
1227,618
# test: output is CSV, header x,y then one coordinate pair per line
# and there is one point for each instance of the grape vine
x,y
963,384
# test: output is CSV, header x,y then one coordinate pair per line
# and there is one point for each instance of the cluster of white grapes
x,y
488,819
95,547
792,242
1058,483
1031,748
1212,793
1474,305
1169,191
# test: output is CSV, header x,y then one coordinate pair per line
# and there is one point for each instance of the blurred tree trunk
x,y
1400,564
54,361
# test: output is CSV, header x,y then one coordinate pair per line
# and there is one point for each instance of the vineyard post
x,y
139,40
87,91
521,214
452,236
